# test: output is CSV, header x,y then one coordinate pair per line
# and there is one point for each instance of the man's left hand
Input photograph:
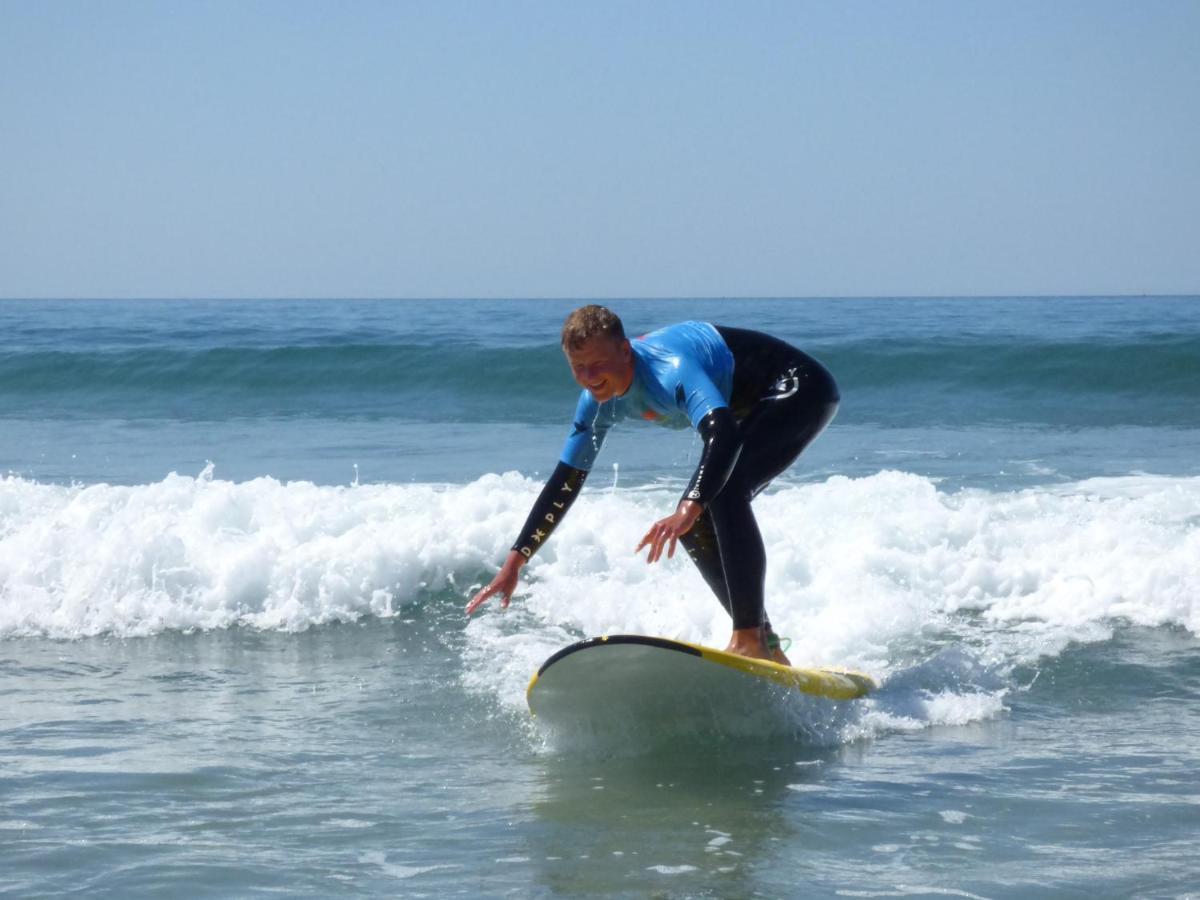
x,y
665,532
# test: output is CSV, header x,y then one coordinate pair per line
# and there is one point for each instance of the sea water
x,y
236,539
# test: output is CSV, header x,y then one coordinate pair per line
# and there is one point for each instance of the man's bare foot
x,y
751,642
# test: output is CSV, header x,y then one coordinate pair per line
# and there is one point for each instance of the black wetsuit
x,y
779,400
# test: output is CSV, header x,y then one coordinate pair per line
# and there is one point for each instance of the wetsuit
x,y
756,401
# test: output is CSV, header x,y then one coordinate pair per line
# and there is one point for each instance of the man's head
x,y
600,355
588,322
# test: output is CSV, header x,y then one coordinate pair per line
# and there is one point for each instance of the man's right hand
x,y
503,584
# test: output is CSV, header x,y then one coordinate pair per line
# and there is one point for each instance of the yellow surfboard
x,y
651,678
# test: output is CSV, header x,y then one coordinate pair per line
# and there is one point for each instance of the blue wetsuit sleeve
x,y
697,394
587,434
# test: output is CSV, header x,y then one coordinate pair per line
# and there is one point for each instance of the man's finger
x,y
648,540
659,540
480,599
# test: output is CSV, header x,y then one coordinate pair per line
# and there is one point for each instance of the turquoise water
x,y
236,539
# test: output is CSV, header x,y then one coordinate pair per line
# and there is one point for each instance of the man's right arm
x,y
553,502
548,510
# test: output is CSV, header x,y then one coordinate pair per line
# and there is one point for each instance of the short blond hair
x,y
588,322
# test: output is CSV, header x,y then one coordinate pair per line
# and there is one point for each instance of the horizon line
x,y
603,298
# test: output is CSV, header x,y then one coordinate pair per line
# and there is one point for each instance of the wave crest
x,y
870,571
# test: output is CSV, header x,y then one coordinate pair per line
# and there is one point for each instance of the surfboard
x,y
653,679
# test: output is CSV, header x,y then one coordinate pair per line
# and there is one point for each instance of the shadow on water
x,y
702,818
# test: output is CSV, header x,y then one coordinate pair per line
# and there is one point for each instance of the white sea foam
x,y
395,870
932,591
937,593
200,553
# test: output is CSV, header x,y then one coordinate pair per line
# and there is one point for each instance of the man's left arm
x,y
721,448
718,431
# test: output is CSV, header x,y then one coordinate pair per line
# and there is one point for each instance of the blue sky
x,y
568,149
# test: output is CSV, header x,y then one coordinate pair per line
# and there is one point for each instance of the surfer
x,y
756,402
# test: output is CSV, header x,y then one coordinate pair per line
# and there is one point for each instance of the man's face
x,y
603,366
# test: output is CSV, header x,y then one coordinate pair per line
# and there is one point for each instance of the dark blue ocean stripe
x,y
1160,364
1153,379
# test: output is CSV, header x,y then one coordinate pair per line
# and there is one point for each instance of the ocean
x,y
236,540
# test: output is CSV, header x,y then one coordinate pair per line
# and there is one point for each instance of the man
x,y
756,401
